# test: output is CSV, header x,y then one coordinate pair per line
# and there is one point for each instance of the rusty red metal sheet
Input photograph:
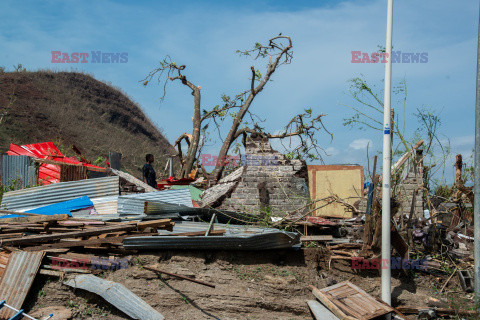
x,y
47,173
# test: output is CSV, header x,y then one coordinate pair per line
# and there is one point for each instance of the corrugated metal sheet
x,y
106,205
26,199
195,193
47,173
128,206
116,294
18,172
181,196
237,237
19,274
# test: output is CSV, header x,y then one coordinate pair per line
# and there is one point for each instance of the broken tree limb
x,y
180,276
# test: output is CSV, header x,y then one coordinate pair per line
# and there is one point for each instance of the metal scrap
x,y
116,294
21,269
31,198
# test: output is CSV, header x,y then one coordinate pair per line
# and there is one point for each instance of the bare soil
x,y
249,285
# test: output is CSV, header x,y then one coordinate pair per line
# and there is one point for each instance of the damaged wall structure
x,y
410,190
270,183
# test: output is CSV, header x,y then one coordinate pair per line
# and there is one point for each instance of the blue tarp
x,y
64,207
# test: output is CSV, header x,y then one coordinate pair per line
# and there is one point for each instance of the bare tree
x,y
304,126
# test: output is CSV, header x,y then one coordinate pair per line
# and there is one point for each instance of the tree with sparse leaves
x,y
304,126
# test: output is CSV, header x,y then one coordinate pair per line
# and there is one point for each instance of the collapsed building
x,y
267,183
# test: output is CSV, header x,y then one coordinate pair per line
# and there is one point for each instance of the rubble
x,y
87,226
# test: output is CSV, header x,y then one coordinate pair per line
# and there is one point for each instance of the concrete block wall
x,y
270,182
412,184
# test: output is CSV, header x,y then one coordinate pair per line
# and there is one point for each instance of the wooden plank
x,y
35,219
132,179
84,243
316,238
354,307
58,236
352,301
347,309
329,304
154,224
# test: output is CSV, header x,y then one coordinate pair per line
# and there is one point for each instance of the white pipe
x,y
476,208
387,160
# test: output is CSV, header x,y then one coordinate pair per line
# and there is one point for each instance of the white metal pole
x,y
476,210
387,160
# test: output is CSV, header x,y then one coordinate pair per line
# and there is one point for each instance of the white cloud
x,y
360,144
331,151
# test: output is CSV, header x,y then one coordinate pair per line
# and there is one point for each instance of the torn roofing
x,y
116,294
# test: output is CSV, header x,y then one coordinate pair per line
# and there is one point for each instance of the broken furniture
x,y
349,302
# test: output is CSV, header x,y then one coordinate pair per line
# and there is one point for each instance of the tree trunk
x,y
192,149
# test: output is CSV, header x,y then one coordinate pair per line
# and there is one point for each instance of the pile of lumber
x,y
48,232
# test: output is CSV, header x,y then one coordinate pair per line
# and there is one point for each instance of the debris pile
x,y
66,223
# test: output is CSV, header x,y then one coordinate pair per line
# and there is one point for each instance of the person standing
x,y
149,174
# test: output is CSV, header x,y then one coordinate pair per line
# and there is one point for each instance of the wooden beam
x,y
132,179
73,234
329,304
35,219
85,243
316,238
155,224
405,157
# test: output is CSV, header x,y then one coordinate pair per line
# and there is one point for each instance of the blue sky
x,y
205,34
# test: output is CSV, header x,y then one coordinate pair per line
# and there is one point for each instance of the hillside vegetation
x,y
72,108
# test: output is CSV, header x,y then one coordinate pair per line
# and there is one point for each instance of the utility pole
x,y
387,161
476,184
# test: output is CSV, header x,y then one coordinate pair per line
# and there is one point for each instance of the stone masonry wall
x,y
412,184
270,182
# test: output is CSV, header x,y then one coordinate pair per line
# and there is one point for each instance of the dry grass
x,y
72,108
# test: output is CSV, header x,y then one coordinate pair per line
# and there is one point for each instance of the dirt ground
x,y
249,285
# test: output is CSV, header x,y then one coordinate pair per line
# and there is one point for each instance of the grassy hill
x,y
71,108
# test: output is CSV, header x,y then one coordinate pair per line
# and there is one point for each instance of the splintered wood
x,y
349,302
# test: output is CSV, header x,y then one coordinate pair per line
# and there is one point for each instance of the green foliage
x,y
368,114
99,160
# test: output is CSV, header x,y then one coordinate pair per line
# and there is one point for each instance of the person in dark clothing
x,y
149,175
